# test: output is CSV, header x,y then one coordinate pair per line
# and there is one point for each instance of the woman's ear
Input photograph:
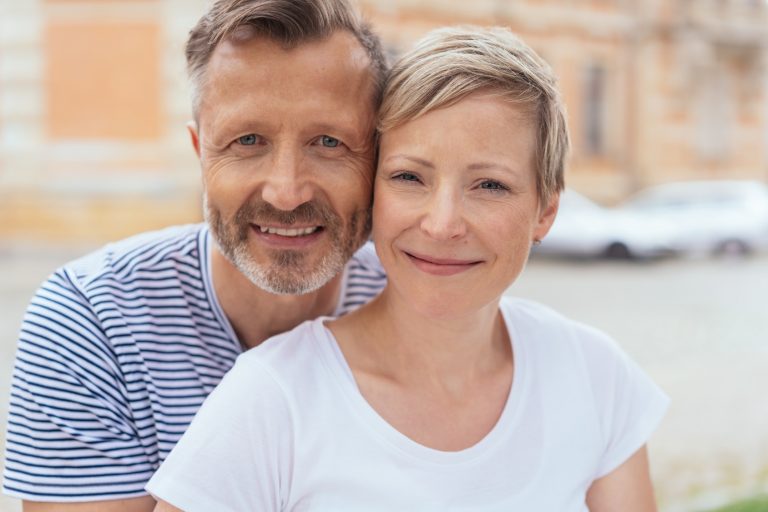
x,y
547,214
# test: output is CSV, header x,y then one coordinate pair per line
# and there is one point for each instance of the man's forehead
x,y
336,68
340,48
258,85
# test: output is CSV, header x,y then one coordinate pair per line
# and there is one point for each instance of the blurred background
x,y
93,147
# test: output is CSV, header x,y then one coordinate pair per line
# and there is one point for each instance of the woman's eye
x,y
247,140
329,142
492,185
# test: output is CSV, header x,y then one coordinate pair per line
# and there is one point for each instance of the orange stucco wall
x,y
103,80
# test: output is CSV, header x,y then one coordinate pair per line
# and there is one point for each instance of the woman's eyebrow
x,y
481,166
415,159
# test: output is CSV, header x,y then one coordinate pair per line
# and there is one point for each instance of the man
x,y
119,349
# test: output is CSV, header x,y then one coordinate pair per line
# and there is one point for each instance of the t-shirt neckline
x,y
206,240
341,373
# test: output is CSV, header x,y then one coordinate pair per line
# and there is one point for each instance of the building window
x,y
103,79
594,110
714,104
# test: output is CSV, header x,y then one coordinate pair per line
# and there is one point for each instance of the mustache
x,y
261,212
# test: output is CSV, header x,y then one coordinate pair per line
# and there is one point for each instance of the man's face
x,y
285,140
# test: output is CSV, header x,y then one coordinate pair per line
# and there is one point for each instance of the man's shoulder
x,y
366,260
364,279
140,253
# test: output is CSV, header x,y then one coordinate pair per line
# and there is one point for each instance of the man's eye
x,y
247,140
329,142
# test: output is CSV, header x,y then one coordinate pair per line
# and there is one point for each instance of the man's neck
x,y
256,314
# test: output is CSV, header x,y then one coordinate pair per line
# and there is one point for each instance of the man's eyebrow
x,y
340,128
420,161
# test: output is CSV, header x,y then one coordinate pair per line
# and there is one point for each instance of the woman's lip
x,y
441,261
440,266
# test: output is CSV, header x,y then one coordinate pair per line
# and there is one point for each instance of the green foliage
x,y
759,504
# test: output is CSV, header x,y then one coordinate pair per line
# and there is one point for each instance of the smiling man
x,y
119,349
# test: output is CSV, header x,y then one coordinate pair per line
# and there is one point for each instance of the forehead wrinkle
x,y
308,115
226,122
317,78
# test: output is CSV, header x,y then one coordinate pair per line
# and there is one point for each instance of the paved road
x,y
698,327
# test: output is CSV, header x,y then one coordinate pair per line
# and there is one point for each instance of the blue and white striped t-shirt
x,y
116,353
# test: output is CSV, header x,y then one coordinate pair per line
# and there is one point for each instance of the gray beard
x,y
286,272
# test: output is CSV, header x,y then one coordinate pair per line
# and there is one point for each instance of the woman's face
x,y
455,204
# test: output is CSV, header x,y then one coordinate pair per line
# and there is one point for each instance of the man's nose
x,y
443,218
287,185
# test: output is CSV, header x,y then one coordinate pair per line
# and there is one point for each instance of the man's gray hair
x,y
289,22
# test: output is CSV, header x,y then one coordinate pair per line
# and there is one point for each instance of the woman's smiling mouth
x,y
441,266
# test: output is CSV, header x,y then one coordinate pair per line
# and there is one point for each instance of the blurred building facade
x,y
657,90
93,99
92,114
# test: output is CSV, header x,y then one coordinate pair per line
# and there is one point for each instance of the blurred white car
x,y
708,217
585,229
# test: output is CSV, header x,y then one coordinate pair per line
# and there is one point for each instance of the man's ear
x,y
194,136
547,217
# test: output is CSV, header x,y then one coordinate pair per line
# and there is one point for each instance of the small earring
x,y
536,241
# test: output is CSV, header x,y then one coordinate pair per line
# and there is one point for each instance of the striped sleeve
x,y
364,280
70,433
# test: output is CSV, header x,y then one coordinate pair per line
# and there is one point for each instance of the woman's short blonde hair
x,y
451,63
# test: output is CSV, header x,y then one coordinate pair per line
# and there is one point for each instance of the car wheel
x,y
618,251
732,248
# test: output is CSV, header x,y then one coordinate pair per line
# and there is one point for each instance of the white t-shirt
x,y
287,429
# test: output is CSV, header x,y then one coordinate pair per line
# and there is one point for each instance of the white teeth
x,y
288,232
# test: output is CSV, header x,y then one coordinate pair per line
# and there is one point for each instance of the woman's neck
x,y
441,380
445,349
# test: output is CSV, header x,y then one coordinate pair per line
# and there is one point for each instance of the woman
x,y
440,394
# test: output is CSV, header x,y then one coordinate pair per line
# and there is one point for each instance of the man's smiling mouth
x,y
289,232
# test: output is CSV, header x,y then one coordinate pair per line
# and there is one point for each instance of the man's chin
x,y
291,271
282,277
288,284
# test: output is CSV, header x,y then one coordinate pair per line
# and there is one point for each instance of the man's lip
x,y
266,228
284,226
293,242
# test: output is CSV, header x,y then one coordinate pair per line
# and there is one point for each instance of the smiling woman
x,y
490,404
445,210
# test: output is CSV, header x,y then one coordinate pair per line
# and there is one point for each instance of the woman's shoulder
x,y
548,328
289,356
283,345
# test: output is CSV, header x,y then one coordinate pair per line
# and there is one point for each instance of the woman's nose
x,y
443,218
